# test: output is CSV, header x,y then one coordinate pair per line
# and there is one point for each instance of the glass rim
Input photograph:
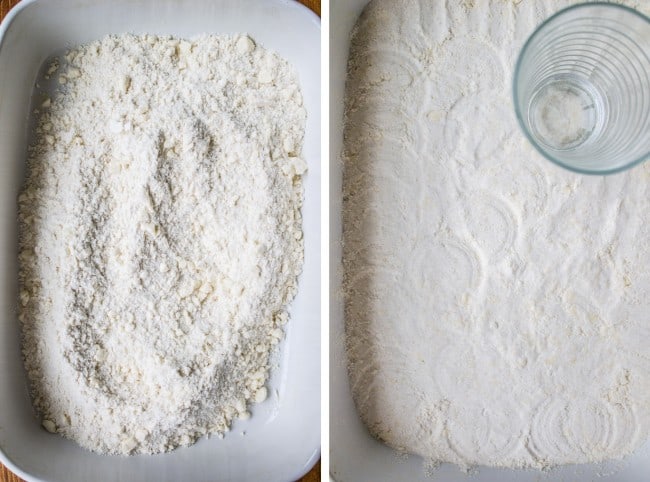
x,y
515,90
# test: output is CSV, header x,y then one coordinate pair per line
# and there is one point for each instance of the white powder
x,y
160,238
497,307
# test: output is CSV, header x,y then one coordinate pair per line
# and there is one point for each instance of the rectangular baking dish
x,y
355,456
282,439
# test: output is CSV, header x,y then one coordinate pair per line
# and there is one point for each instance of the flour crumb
x,y
160,238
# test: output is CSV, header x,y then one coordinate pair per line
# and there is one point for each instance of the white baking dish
x,y
354,455
282,439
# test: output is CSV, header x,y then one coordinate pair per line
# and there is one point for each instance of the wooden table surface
x,y
7,476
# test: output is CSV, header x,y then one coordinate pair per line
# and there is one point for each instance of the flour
x,y
496,306
160,238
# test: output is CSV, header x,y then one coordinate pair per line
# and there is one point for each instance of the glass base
x,y
565,112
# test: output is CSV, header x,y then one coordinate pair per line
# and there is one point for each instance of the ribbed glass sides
x,y
582,88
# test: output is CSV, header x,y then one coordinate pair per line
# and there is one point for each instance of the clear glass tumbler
x,y
582,88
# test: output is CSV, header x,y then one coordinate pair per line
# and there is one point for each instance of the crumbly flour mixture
x,y
497,307
160,237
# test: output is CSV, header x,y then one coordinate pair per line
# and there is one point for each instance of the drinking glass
x,y
582,88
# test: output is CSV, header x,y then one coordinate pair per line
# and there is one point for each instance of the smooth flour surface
x,y
160,238
497,307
